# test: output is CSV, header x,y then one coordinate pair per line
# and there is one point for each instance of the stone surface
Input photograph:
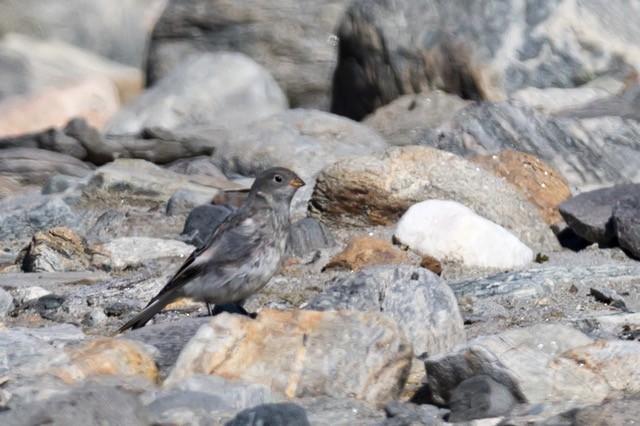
x,y
58,249
130,252
308,235
362,252
449,231
480,397
202,221
293,40
555,99
283,414
590,214
419,301
51,279
404,120
138,182
379,188
538,182
478,51
6,302
296,365
238,90
35,166
31,65
95,99
615,412
626,224
184,201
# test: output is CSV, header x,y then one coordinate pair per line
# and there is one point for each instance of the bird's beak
x,y
296,182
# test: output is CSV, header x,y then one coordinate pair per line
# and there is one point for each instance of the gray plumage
x,y
241,255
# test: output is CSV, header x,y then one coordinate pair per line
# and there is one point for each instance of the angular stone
x,y
615,412
183,201
363,355
6,302
447,230
538,182
480,397
123,253
202,221
379,188
283,414
58,249
35,166
308,235
362,252
626,224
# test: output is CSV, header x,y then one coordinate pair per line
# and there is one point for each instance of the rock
x,y
51,279
138,182
6,302
86,404
9,187
283,414
58,249
130,252
21,216
24,353
379,188
202,221
595,151
132,222
552,100
614,412
239,91
420,302
188,407
184,201
31,65
339,411
432,264
404,120
538,182
307,40
36,166
626,224
447,230
27,294
305,350
308,235
480,397
107,357
58,184
610,325
399,414
530,362
362,252
608,296
94,99
199,165
305,141
590,214
388,49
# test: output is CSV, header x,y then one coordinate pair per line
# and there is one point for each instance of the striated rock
x,y
9,187
140,183
626,224
447,230
298,352
95,100
614,412
58,249
299,33
478,51
6,302
553,100
283,414
239,92
379,188
404,120
107,357
35,166
31,65
123,253
538,182
419,301
362,252
308,235
590,214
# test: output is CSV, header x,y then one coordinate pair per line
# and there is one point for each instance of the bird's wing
x,y
228,247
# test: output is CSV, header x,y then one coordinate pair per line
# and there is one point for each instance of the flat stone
x,y
362,252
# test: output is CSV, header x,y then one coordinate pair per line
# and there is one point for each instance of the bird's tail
x,y
147,313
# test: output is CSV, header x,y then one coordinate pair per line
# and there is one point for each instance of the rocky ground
x,y
466,252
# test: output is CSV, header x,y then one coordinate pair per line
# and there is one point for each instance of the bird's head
x,y
278,183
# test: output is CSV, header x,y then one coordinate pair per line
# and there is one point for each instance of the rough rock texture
x,y
480,397
297,352
308,235
202,221
292,39
379,188
420,302
35,166
283,414
590,214
57,249
362,252
538,182
616,412
222,89
447,230
626,222
482,50
128,252
403,121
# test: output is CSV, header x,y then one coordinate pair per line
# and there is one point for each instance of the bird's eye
x,y
277,178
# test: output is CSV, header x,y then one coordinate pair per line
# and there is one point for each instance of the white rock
x,y
448,230
27,294
132,251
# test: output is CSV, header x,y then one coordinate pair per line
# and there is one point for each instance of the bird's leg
x,y
210,308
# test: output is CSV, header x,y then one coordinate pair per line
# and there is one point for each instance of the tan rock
x,y
9,187
107,357
432,264
362,355
368,251
537,181
57,249
95,100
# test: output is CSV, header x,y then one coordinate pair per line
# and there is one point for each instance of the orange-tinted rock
x,y
361,355
538,182
57,249
368,251
432,264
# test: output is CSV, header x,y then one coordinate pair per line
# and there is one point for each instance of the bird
x,y
240,256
